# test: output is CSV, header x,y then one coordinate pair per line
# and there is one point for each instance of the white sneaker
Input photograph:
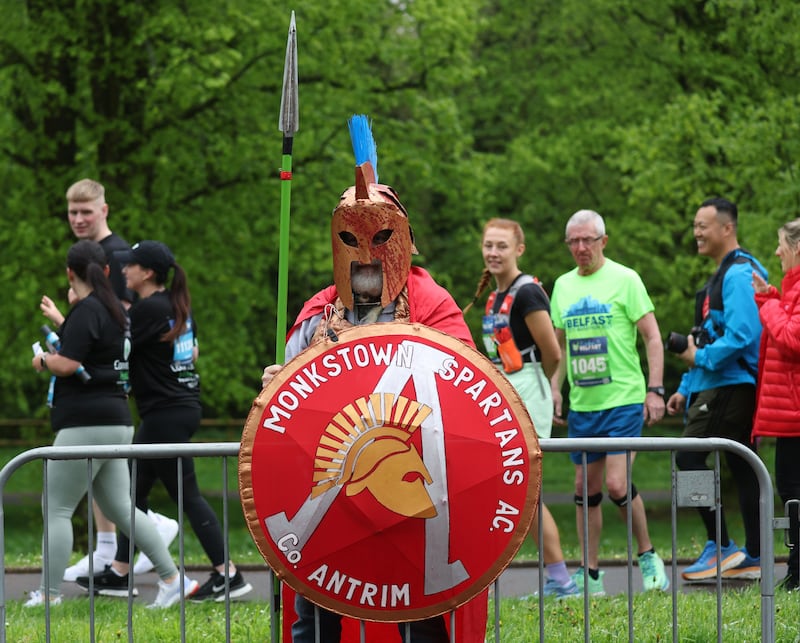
x,y
81,568
36,599
167,529
169,594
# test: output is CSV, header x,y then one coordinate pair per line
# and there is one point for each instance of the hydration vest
x,y
497,337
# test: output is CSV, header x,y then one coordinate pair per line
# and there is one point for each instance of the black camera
x,y
677,343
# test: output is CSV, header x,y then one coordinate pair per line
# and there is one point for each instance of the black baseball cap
x,y
148,254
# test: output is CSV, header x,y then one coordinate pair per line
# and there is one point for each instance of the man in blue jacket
x,y
718,391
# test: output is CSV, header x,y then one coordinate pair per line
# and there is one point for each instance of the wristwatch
x,y
658,390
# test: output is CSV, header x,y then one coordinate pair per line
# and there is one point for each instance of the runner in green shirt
x,y
598,308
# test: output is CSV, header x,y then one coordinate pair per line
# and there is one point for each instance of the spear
x,y
287,124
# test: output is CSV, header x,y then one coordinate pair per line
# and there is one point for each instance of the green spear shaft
x,y
288,124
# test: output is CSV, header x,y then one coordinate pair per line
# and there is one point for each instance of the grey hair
x,y
587,216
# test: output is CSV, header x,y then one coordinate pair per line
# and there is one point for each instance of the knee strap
x,y
592,501
621,502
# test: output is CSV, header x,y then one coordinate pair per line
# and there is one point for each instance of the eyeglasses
x,y
586,241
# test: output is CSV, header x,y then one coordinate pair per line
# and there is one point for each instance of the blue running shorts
x,y
620,422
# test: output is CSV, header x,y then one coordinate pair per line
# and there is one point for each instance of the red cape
x,y
470,623
428,302
432,305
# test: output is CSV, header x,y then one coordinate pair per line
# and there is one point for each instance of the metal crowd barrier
x,y
687,489
91,453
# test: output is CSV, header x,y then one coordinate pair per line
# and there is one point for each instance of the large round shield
x,y
390,474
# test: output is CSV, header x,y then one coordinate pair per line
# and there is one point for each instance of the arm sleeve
x,y
740,321
79,332
555,311
531,298
638,302
783,327
763,297
148,321
684,386
301,338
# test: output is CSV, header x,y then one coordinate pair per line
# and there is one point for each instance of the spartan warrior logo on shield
x,y
390,475
366,446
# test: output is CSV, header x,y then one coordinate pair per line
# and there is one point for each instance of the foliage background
x,y
481,108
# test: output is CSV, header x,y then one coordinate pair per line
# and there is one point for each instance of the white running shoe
x,y
169,593
81,568
36,598
167,529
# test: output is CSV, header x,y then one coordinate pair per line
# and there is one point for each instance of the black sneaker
x,y
214,588
107,583
789,583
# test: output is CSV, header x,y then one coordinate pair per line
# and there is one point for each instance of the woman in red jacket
x,y
778,394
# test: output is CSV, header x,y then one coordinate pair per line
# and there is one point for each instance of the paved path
x,y
522,580
517,580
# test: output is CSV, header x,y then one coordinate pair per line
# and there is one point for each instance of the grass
x,y
652,618
204,622
519,620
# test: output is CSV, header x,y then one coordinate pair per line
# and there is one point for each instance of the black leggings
x,y
726,412
787,481
175,425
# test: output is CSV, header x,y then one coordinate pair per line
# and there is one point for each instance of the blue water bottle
x,y
53,342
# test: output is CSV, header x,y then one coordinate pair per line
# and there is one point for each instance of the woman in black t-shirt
x,y
93,410
519,336
167,392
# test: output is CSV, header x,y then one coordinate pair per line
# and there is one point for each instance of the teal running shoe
x,y
653,574
595,584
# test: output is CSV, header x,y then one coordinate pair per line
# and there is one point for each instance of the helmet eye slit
x,y
381,237
348,238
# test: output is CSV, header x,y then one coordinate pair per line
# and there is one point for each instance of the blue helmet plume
x,y
363,143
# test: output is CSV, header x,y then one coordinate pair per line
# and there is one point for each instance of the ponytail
x,y
486,278
181,302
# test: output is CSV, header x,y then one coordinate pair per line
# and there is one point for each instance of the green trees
x,y
147,98
640,111
480,108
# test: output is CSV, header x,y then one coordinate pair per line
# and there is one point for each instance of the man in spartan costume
x,y
374,281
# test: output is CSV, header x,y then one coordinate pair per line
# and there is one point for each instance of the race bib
x,y
589,363
183,348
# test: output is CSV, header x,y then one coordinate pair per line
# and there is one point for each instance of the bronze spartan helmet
x,y
370,226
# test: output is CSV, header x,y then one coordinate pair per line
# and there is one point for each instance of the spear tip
x,y
288,121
